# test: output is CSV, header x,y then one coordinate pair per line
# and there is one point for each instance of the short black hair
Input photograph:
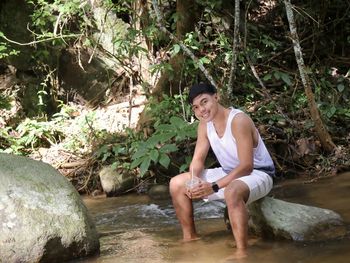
x,y
200,88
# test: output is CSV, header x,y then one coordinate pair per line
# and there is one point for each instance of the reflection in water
x,y
137,229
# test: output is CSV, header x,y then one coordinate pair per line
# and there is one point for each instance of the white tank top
x,y
225,148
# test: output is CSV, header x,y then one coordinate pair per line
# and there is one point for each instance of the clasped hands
x,y
200,190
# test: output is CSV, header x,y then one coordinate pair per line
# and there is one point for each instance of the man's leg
x,y
183,206
236,195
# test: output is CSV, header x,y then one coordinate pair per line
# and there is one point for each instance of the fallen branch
x,y
38,41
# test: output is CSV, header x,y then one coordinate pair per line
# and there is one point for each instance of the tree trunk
x,y
170,83
142,21
321,131
234,48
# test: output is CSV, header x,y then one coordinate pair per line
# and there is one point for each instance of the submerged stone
x,y
159,192
42,217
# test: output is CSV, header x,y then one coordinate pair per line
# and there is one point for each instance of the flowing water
x,y
136,229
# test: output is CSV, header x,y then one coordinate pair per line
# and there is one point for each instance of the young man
x,y
246,168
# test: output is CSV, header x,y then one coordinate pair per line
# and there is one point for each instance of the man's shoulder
x,y
242,119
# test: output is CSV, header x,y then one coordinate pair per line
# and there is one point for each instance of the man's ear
x,y
217,96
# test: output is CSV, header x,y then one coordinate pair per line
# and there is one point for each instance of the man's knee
x,y
236,192
177,183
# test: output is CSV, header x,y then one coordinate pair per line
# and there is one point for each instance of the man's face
x,y
205,106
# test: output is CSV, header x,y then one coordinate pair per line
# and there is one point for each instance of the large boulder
x,y
278,219
42,217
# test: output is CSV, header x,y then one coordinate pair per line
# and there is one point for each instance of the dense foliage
x,y
266,81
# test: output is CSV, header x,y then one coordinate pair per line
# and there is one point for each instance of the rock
x,y
114,182
159,192
279,219
42,217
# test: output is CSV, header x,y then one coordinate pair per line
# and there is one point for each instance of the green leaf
x,y
145,165
176,48
117,149
164,160
177,122
267,77
331,111
286,79
141,152
136,163
164,137
168,148
154,154
115,165
105,156
164,127
152,141
277,75
204,60
183,168
340,87
102,150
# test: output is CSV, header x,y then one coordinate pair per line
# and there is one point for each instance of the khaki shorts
x,y
258,182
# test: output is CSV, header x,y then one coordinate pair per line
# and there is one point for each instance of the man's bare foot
x,y
190,239
240,253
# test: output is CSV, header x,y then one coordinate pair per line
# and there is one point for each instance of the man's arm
x,y
243,130
201,150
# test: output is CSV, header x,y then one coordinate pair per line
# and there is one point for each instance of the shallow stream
x,y
135,228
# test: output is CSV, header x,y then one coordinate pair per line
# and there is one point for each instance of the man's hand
x,y
202,190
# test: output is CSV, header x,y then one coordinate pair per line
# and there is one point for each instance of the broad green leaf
x,y
277,75
152,141
204,60
115,165
164,160
145,165
168,148
177,122
340,87
105,156
286,79
141,152
267,77
154,154
176,48
183,168
164,137
102,150
136,163
164,127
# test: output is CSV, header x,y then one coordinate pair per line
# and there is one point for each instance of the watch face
x,y
215,187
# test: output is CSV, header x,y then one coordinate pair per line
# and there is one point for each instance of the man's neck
x,y
221,116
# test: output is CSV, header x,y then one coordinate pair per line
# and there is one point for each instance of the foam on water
x,y
153,215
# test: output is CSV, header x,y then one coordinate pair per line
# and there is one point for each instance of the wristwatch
x,y
215,187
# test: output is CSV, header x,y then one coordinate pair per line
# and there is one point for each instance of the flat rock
x,y
278,219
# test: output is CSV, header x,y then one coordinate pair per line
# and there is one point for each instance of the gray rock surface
x,y
295,221
278,219
42,217
115,183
